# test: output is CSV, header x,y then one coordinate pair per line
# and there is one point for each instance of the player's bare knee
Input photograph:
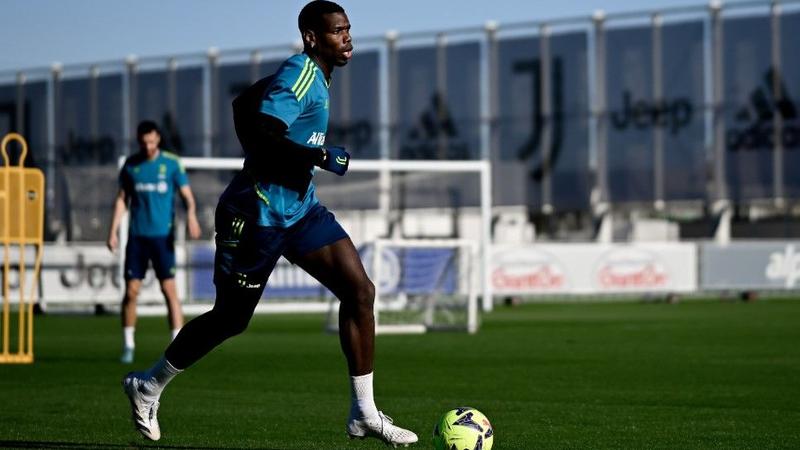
x,y
364,296
168,296
131,294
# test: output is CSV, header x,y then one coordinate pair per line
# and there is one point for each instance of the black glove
x,y
336,160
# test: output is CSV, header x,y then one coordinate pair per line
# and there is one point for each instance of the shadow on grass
x,y
82,445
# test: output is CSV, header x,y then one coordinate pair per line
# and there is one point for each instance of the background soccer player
x,y
148,182
270,209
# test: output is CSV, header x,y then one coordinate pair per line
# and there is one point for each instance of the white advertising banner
x,y
773,265
89,273
594,268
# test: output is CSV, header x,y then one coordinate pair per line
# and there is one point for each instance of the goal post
x,y
482,168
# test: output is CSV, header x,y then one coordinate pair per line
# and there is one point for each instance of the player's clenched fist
x,y
336,160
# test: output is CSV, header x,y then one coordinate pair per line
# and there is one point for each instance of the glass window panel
x,y
519,123
36,122
629,82
748,108
790,106
417,122
8,109
73,141
186,130
109,119
462,94
71,130
233,79
569,153
682,112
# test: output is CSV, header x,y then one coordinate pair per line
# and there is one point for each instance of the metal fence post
x,y
658,99
172,92
488,87
721,206
94,132
53,99
777,117
130,123
545,101
210,81
20,106
255,61
600,198
441,92
718,80
388,119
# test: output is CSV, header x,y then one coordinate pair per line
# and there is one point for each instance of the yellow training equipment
x,y
21,228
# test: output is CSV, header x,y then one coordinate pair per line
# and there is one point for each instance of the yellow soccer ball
x,y
463,429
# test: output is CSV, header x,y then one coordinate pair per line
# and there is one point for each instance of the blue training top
x,y
297,95
151,185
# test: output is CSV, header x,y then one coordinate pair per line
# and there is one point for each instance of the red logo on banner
x,y
527,270
631,268
541,277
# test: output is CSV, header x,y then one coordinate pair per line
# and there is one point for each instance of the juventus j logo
x,y
554,123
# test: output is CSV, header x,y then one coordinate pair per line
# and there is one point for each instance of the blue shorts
x,y
143,249
246,253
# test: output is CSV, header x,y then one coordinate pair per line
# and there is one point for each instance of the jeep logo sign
x,y
672,115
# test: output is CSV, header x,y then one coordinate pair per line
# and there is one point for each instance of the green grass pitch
x,y
696,375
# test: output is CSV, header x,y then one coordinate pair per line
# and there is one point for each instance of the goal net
x,y
422,285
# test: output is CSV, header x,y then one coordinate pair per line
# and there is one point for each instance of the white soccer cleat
x,y
380,427
144,408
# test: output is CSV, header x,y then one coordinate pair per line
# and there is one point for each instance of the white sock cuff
x,y
159,376
365,377
363,402
128,337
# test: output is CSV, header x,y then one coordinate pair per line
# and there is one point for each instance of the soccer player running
x,y
270,209
148,182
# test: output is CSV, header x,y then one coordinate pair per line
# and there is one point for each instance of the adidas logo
x,y
756,126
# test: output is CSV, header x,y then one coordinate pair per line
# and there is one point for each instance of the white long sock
x,y
175,332
362,401
127,337
159,376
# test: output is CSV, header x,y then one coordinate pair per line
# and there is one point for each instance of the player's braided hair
x,y
310,17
